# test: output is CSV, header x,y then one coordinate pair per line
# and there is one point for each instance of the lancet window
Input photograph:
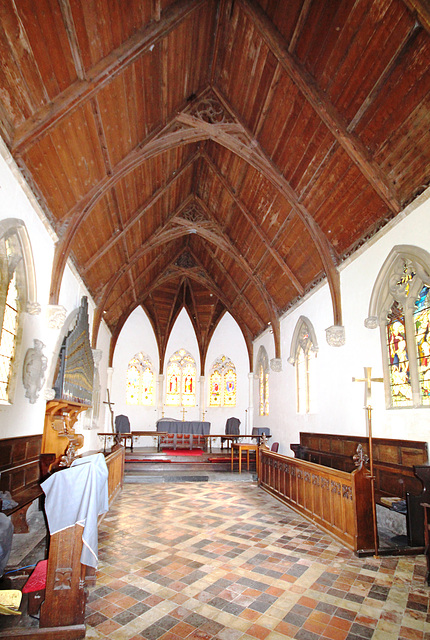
x,y
263,380
17,288
140,381
303,353
181,376
223,383
401,306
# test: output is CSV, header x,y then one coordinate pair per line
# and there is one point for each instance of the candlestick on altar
x,y
184,411
203,416
368,407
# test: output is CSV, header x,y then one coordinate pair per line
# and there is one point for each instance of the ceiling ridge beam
x,y
101,74
252,153
351,143
262,235
137,215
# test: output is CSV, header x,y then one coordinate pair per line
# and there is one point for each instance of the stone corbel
x,y
56,315
33,308
276,364
335,336
372,322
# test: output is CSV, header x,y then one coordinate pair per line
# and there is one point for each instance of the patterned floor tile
x,y
226,561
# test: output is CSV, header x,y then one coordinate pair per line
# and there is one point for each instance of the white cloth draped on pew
x,y
78,495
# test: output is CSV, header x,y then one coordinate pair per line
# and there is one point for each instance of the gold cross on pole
x,y
184,411
368,406
368,386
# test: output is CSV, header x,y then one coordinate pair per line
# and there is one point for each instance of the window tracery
x,y
181,377
400,304
303,353
140,381
223,383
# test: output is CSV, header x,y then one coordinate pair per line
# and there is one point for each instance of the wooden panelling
x,y
393,459
336,501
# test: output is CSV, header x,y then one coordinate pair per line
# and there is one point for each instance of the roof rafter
x,y
323,107
101,74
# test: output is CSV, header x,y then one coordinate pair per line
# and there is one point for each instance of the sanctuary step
x,y
144,465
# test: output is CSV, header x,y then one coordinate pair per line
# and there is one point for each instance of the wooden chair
x,y
232,429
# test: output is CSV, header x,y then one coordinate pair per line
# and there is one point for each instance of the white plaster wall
x,y
17,201
228,340
137,335
339,400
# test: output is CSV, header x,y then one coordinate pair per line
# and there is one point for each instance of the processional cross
x,y
368,406
110,405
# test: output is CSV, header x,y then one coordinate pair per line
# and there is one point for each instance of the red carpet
x,y
182,452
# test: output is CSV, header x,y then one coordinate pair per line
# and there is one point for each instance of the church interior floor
x,y
226,561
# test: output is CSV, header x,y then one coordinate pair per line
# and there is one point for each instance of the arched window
x,y
302,355
140,381
223,383
17,288
400,305
181,376
263,380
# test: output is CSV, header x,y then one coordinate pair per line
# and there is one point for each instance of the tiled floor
x,y
225,560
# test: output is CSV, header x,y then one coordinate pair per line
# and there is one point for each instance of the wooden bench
x,y
393,463
20,474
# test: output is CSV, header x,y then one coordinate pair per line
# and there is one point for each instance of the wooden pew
x,y
20,474
394,464
393,460
62,602
338,502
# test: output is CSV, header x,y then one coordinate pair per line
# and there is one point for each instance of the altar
x,y
183,434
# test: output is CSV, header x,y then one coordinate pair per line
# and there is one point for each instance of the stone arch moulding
x,y
17,226
303,320
380,299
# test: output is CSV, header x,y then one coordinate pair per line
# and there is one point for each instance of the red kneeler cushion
x,y
37,580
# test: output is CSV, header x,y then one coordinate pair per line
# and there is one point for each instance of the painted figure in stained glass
x,y
181,380
422,338
140,381
401,391
223,383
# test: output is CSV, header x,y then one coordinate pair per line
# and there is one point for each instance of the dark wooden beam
x,y
256,228
421,11
72,37
353,146
101,74
137,215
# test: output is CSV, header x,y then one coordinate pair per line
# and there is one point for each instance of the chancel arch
x,y
400,306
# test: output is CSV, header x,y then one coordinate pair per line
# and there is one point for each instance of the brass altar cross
x,y
368,406
184,411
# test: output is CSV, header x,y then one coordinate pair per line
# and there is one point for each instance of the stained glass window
x,y
222,383
400,380
140,381
400,304
8,338
422,338
263,379
181,377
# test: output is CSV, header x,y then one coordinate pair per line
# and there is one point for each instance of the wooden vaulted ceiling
x,y
215,155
